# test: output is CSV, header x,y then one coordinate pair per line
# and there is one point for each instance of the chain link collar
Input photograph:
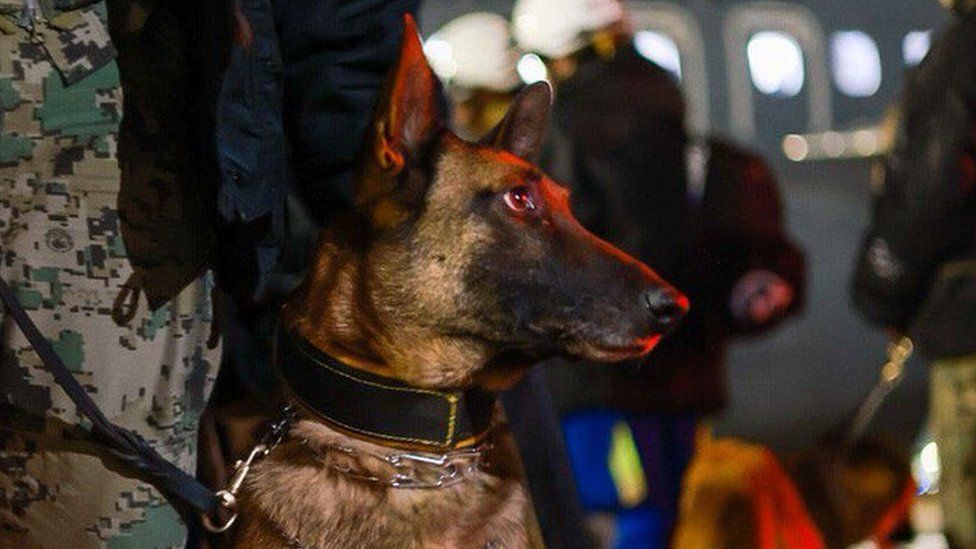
x,y
398,470
404,470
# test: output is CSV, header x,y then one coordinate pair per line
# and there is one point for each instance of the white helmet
x,y
474,51
557,28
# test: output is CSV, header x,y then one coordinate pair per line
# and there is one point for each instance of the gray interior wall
x,y
810,375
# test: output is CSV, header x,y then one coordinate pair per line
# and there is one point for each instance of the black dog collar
x,y
378,406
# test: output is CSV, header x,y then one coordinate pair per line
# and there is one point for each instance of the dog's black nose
x,y
666,307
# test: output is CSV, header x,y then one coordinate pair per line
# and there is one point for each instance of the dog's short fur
x,y
461,266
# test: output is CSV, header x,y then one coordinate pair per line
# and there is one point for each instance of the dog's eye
x,y
519,199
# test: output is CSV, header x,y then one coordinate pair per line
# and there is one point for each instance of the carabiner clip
x,y
228,496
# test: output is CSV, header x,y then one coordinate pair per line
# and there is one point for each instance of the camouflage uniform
x,y
953,416
61,249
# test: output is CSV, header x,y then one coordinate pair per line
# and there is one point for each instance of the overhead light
x,y
531,68
832,144
795,147
929,458
865,142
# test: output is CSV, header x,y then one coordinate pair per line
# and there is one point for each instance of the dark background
x,y
809,375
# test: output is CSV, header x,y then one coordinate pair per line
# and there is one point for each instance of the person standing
x,y
145,362
916,273
704,212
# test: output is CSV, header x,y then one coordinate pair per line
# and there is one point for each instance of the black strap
x,y
378,406
138,458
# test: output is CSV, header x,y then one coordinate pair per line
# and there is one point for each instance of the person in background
x,y
705,213
145,362
474,57
916,273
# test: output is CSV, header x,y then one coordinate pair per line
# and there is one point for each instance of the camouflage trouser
x,y
61,250
953,411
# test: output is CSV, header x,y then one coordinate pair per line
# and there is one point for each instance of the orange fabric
x,y
896,514
726,472
781,516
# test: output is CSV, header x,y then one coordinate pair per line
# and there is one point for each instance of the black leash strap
x,y
143,462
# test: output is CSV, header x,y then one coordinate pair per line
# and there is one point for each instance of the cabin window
x,y
855,63
775,63
659,48
916,46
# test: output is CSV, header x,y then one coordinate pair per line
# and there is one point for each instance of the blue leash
x,y
187,494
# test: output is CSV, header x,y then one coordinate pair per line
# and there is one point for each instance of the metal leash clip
x,y
898,354
228,496
891,374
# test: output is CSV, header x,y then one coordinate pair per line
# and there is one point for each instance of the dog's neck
x,y
337,314
330,310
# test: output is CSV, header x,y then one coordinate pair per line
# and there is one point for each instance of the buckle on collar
x,y
380,407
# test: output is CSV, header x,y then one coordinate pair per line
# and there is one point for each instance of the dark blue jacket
x,y
230,107
311,71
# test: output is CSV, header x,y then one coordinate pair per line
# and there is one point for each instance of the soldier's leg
x,y
953,409
61,250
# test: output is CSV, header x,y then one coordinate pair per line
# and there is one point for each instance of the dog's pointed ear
x,y
522,129
409,113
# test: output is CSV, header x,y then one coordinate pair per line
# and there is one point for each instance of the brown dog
x,y
461,266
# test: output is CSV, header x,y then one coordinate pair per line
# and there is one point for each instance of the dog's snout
x,y
665,307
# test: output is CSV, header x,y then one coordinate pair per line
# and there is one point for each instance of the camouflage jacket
x,y
163,199
62,29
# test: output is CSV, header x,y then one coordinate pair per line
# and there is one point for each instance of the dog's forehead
x,y
485,168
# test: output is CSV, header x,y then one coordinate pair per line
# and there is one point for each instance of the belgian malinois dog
x,y
460,267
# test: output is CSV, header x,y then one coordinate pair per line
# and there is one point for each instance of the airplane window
x,y
915,46
855,63
775,63
531,68
659,48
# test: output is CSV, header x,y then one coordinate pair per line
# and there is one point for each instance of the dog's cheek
x,y
511,296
